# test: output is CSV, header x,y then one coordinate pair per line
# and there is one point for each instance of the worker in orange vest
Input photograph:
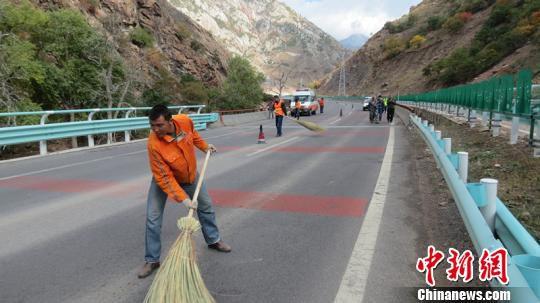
x,y
321,104
297,106
280,110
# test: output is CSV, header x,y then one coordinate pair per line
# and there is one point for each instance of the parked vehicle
x,y
308,100
365,106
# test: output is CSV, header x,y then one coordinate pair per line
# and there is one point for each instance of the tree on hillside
x,y
278,84
242,87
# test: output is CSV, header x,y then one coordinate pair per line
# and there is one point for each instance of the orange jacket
x,y
278,109
297,105
173,163
321,102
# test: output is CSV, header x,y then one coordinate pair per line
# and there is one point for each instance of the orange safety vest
x,y
321,102
297,104
278,110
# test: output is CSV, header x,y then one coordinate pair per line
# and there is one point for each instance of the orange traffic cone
x,y
261,136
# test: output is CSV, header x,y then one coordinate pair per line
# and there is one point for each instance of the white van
x,y
308,100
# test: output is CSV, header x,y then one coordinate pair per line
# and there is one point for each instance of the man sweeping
x,y
171,151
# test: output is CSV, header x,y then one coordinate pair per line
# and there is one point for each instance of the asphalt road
x,y
72,225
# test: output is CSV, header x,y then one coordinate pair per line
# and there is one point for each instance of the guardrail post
x,y
438,134
535,134
489,209
472,118
126,133
73,139
484,118
91,137
43,143
496,125
515,130
447,146
432,128
425,123
463,169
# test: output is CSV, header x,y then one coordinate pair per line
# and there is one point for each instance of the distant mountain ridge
x,y
354,42
275,38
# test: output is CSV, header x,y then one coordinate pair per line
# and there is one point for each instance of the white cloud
x,y
346,17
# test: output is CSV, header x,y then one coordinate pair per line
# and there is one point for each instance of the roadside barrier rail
x,y
43,132
489,223
509,95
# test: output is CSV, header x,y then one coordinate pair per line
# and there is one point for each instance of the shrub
x,y
535,18
393,46
411,20
500,14
90,5
464,16
417,41
141,37
475,6
453,25
434,23
196,45
155,58
181,32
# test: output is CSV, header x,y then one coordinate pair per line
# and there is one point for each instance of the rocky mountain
x,y
354,42
277,40
442,43
180,45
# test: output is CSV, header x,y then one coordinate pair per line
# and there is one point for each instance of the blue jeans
x,y
154,217
279,123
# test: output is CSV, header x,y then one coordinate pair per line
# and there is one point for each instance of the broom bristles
x,y
310,125
179,279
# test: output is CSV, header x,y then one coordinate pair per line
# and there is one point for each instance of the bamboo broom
x,y
307,124
179,279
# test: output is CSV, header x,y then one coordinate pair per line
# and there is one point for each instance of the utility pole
x,y
342,80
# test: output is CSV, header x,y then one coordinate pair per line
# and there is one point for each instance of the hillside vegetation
x,y
85,54
443,43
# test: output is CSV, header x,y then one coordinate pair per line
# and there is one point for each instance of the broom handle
x,y
199,184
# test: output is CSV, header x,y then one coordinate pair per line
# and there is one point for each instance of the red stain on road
x,y
69,185
317,205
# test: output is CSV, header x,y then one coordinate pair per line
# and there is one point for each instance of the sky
x,y
342,18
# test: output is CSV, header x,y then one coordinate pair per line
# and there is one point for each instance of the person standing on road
x,y
280,110
380,108
297,106
271,107
171,151
321,104
390,110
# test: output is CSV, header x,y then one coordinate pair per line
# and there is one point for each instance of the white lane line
x,y
69,165
227,134
353,283
334,121
272,146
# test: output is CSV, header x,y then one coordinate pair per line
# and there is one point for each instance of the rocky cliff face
x,y
395,61
275,38
181,46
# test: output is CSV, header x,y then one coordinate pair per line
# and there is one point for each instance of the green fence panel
x,y
523,98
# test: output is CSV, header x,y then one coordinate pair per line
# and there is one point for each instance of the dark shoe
x,y
147,269
220,246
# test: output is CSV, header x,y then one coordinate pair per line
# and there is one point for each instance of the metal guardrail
x,y
489,223
43,132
